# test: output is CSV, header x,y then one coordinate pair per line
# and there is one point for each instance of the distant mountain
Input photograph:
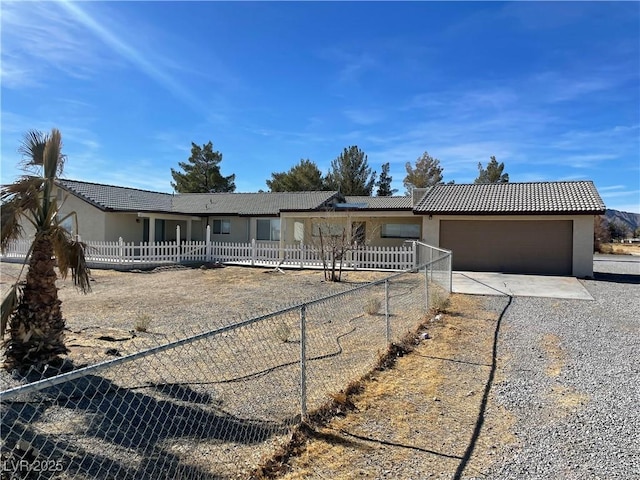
x,y
631,220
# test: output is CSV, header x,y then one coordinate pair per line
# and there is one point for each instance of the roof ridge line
x,y
113,186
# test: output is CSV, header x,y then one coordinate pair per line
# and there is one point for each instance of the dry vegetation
x,y
620,248
416,419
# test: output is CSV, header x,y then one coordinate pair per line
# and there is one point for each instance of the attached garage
x,y
510,246
537,227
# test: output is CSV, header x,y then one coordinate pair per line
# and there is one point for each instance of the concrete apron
x,y
489,283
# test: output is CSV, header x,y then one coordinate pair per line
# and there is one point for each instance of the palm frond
x,y
25,187
9,304
10,228
53,159
20,201
34,152
70,254
32,149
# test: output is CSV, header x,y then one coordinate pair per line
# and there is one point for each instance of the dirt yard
x,y
173,303
431,397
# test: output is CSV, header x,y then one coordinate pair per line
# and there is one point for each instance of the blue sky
x,y
551,89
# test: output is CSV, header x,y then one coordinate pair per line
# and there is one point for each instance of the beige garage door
x,y
510,246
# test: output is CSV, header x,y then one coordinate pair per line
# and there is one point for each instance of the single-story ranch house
x,y
535,227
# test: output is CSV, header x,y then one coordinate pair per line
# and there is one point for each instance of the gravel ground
x,y
571,375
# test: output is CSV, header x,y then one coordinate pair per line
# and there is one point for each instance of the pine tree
x,y
305,176
350,173
202,172
493,173
384,183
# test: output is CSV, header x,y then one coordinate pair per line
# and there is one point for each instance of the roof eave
x,y
90,201
515,212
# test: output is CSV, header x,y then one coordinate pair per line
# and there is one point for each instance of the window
x,y
67,224
400,230
268,229
221,227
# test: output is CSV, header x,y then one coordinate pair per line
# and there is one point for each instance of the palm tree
x,y
32,308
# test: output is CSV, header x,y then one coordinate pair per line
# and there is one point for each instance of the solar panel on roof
x,y
350,205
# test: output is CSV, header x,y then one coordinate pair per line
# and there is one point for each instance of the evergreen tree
x,y
493,173
384,183
202,172
350,173
305,176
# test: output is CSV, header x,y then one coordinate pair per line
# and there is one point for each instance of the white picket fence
x,y
129,255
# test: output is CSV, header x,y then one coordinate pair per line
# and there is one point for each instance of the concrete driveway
x,y
489,283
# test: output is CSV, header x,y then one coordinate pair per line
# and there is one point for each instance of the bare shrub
x,y
282,332
373,305
438,299
142,323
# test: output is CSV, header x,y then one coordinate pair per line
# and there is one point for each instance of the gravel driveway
x,y
571,375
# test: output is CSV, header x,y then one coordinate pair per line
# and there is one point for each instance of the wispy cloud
x,y
351,65
41,35
363,116
558,86
38,36
128,52
610,188
619,193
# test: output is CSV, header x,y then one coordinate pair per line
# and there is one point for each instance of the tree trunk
x,y
36,329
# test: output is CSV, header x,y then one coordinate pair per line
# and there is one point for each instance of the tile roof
x,y
381,203
512,198
505,198
267,203
125,199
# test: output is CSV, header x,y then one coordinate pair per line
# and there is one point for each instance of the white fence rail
x,y
134,255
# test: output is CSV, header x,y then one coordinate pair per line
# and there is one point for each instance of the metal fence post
x,y
414,253
426,286
431,261
386,310
449,270
303,362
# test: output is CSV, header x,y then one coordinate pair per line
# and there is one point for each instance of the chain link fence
x,y
215,404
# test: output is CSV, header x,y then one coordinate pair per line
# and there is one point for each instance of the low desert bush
x,y
142,323
438,300
282,332
372,306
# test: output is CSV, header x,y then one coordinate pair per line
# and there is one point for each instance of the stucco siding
x,y
123,225
91,220
238,232
583,245
374,225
